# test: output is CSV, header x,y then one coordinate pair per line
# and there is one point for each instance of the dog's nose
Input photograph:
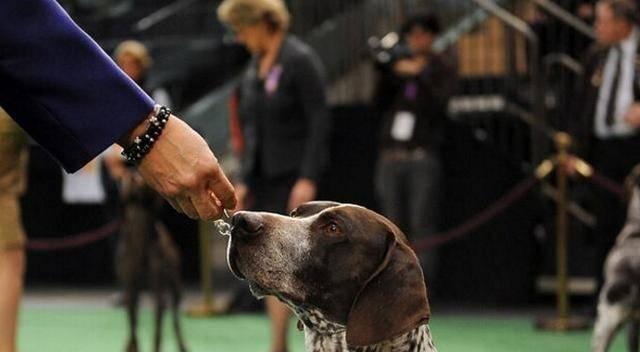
x,y
246,224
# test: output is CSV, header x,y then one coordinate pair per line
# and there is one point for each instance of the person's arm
x,y
75,102
60,86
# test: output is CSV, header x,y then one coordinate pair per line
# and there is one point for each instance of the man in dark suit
x,y
74,101
606,126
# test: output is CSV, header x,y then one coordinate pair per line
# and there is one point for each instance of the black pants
x,y
409,195
614,158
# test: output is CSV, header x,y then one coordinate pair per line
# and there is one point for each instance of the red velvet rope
x,y
75,241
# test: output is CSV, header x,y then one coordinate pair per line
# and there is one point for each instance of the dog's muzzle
x,y
245,227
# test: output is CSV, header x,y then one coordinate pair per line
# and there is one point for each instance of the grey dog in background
x,y
147,256
619,300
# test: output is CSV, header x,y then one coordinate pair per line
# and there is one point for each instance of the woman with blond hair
x,y
283,117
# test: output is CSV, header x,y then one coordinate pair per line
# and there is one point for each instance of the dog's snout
x,y
247,224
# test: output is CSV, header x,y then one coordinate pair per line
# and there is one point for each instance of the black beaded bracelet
x,y
142,144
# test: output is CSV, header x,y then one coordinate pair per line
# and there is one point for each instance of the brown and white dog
x,y
347,272
619,300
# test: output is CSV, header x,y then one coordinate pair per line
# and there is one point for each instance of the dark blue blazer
x,y
60,86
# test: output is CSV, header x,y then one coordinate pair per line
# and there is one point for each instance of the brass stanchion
x,y
563,321
206,308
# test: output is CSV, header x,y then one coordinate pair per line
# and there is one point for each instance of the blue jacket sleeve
x,y
58,84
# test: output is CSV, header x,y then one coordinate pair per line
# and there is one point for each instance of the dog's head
x,y
349,263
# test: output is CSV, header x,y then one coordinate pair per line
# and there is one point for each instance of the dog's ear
x,y
394,299
312,208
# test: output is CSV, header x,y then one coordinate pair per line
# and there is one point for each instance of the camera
x,y
387,50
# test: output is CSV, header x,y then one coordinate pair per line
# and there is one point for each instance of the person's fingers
x,y
220,185
206,206
187,207
213,198
174,204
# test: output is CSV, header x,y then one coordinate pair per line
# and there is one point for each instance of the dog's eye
x,y
332,228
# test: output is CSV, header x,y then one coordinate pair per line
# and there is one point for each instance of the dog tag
x,y
224,225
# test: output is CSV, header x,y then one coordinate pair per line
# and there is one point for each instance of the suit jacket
x,y
60,86
581,125
284,118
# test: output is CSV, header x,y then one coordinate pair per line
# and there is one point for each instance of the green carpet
x,y
104,330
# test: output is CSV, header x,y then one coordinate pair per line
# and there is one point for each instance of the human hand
x,y
181,167
409,67
633,115
303,191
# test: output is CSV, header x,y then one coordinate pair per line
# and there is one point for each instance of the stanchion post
x,y
562,143
562,321
206,308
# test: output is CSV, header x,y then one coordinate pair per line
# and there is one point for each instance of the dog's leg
x,y
160,307
610,318
168,266
175,312
132,293
159,291
632,337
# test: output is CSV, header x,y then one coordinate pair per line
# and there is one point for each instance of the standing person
x,y
412,94
13,143
606,124
134,59
66,93
284,120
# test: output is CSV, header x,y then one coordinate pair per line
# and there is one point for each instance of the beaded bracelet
x,y
142,144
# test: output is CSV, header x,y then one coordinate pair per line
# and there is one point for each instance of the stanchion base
x,y
204,310
563,324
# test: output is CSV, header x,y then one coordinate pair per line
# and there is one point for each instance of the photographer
x,y
412,95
